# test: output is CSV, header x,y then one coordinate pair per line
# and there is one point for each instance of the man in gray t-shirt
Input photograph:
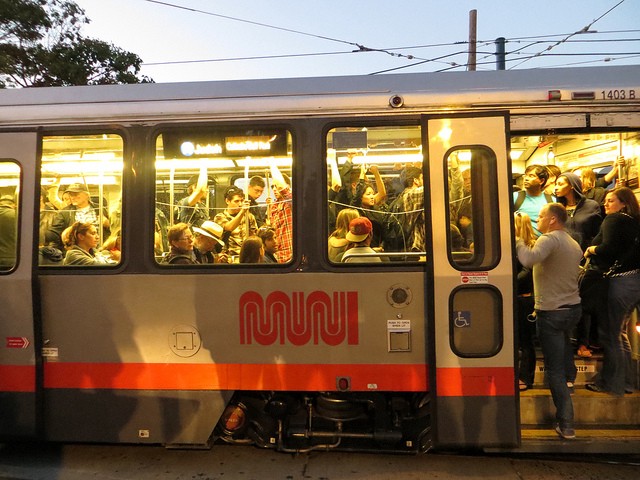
x,y
555,258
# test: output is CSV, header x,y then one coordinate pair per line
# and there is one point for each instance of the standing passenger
x,y
555,258
370,204
583,225
255,190
554,173
616,249
525,307
281,218
192,209
80,210
532,198
233,220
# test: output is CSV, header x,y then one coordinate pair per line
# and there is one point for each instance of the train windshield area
x,y
224,196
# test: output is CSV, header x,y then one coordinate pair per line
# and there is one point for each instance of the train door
x,y
17,358
472,346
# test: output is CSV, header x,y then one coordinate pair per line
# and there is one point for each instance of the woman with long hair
x,y
83,240
583,224
252,250
370,203
337,240
616,250
525,306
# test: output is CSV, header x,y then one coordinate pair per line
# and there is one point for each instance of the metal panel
x,y
486,379
17,361
537,122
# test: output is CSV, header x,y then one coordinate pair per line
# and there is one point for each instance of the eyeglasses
x,y
186,237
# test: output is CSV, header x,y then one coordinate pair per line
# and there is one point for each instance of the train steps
x,y
604,423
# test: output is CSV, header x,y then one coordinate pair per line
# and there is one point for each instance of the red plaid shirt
x,y
280,216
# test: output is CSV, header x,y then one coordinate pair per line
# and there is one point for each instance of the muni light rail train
x,y
409,349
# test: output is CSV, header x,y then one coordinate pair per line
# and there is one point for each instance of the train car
x,y
411,348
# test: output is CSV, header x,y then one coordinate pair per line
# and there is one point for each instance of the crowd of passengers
x,y
603,221
369,218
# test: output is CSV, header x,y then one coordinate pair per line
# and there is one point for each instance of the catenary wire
x,y
390,51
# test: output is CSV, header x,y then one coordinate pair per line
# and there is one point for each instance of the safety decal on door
x,y
472,278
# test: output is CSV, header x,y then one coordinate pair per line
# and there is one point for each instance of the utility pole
x,y
500,53
473,28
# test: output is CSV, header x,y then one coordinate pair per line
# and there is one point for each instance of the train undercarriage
x,y
298,422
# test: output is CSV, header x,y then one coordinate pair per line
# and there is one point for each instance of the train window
x,y
376,173
80,200
224,196
9,183
474,235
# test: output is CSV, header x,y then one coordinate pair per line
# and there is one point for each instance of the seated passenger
x,y
207,244
337,240
359,236
113,245
252,250
83,240
270,243
181,243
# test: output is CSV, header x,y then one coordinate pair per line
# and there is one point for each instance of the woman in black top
x,y
616,250
583,225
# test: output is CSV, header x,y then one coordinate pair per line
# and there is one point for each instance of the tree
x,y
41,45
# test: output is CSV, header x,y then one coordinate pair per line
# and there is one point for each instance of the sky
x,y
298,38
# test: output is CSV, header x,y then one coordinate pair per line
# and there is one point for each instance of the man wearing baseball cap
x,y
81,209
359,237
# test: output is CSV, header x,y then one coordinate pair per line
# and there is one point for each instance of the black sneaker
x,y
566,433
594,387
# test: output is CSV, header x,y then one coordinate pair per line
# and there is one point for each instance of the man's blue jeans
x,y
554,329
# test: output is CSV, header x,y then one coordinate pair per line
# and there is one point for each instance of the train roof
x,y
310,95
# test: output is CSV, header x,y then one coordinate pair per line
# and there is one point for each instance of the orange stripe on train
x,y
475,382
17,378
310,377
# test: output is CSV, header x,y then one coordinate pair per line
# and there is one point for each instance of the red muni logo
x,y
298,318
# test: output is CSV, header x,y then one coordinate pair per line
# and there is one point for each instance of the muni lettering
x,y
318,317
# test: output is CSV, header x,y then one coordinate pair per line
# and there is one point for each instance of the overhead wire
x,y
565,38
560,42
360,47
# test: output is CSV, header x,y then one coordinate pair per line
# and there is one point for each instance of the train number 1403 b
x,y
618,94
